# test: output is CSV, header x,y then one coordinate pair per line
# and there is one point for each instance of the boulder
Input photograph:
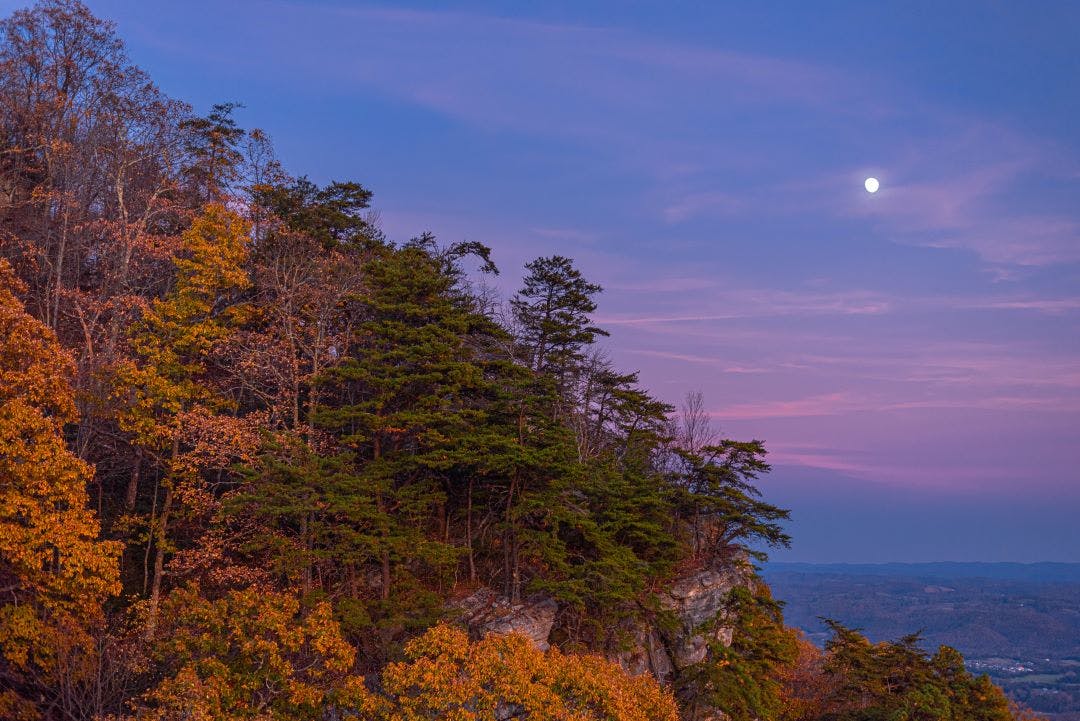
x,y
486,612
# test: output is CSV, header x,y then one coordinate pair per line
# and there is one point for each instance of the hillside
x,y
260,461
1018,622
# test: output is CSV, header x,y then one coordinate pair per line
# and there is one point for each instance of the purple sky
x,y
911,358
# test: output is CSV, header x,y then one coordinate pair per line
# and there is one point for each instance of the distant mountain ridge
x,y
1042,572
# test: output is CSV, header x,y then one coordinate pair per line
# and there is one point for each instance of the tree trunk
x,y
468,533
159,551
133,481
305,577
510,542
385,595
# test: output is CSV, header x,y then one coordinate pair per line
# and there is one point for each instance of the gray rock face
x,y
696,601
647,653
486,613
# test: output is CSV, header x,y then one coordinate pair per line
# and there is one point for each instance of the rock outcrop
x,y
486,612
698,603
694,607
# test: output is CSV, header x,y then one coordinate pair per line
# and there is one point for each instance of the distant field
x,y
1020,623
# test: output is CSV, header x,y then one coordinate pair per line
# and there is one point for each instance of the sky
x,y
911,358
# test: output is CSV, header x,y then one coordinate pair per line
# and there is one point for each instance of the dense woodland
x,y
251,449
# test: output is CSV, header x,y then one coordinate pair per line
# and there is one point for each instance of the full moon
x,y
871,185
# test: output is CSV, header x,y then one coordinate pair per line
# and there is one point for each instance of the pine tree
x,y
330,215
552,312
744,678
212,156
404,410
718,502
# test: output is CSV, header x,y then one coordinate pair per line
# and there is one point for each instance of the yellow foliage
x,y
251,655
449,677
177,334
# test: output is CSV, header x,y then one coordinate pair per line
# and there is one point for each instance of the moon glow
x,y
871,185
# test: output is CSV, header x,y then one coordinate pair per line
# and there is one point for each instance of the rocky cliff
x,y
688,616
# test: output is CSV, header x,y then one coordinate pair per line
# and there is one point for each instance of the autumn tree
x,y
252,654
167,388
86,147
55,572
445,675
805,687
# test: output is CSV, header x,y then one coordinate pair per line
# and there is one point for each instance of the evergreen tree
x,y
898,680
403,410
330,215
212,163
552,312
744,678
719,504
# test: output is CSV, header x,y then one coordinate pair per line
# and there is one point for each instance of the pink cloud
x,y
764,302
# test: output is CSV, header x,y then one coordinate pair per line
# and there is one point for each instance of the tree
x,y
212,157
253,654
552,313
86,141
445,675
608,526
744,678
400,417
168,387
898,680
805,686
714,492
55,572
330,215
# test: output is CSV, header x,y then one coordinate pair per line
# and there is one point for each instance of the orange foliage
x,y
806,687
449,677
176,335
54,571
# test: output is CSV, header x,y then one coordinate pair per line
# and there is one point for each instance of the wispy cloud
x,y
574,235
847,403
982,193
718,363
1050,306
763,302
707,202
